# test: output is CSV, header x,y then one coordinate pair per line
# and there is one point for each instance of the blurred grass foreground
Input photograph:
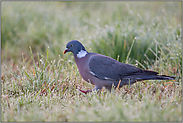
x,y
39,83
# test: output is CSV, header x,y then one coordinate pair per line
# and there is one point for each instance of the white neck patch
x,y
81,54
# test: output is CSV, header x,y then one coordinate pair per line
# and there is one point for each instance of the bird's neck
x,y
80,58
81,54
80,62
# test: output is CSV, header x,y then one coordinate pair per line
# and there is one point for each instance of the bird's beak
x,y
65,50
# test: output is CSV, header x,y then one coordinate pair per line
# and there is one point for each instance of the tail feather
x,y
152,75
148,72
134,78
155,77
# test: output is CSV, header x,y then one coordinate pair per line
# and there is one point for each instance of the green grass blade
x,y
130,50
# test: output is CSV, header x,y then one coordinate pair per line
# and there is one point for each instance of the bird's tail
x,y
152,75
155,77
146,75
133,79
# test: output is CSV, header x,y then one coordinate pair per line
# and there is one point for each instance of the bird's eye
x,y
71,45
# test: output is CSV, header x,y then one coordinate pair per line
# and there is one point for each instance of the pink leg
x,y
85,91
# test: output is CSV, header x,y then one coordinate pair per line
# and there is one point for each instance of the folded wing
x,y
104,67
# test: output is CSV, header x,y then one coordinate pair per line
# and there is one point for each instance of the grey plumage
x,y
103,71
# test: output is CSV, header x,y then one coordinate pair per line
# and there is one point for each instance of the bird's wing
x,y
104,67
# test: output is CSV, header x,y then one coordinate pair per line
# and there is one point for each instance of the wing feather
x,y
104,67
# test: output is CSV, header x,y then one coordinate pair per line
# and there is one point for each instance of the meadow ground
x,y
39,83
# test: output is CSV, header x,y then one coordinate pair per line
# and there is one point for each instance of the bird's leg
x,y
85,91
96,88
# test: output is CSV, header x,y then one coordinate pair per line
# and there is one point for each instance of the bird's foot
x,y
85,92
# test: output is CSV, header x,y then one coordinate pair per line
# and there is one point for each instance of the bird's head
x,y
76,48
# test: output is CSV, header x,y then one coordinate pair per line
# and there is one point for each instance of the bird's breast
x,y
83,67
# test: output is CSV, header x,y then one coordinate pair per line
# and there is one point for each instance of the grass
x,y
40,84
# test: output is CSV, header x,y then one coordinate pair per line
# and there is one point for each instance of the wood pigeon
x,y
103,71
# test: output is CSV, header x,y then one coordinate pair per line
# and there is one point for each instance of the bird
x,y
103,71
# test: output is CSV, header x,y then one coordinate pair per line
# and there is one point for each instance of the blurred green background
x,y
108,28
145,34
